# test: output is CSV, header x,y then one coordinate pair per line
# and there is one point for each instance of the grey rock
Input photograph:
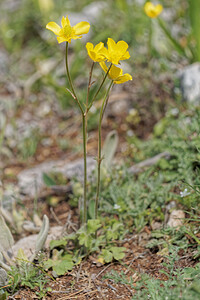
x,y
94,10
140,2
176,218
170,205
10,5
116,108
30,181
148,162
156,225
3,277
4,61
190,83
90,13
28,243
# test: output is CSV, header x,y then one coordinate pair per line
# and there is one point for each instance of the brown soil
x,y
86,281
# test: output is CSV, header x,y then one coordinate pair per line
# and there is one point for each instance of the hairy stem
x,y
70,81
84,126
99,159
87,99
84,123
95,96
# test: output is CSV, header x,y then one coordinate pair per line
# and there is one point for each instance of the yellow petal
x,y
81,28
159,9
149,9
62,39
123,78
96,53
122,46
125,56
89,46
65,21
104,67
115,72
111,45
76,37
115,60
99,46
104,52
92,55
152,10
53,27
148,6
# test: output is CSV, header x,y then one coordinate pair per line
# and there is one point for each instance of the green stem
x,y
178,47
84,119
84,125
95,96
99,159
89,84
88,91
150,40
194,8
70,81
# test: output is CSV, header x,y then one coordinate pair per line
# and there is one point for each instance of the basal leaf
x,y
118,252
6,238
107,255
57,243
63,266
93,225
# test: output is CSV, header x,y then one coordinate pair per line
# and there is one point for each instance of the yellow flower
x,y
46,5
152,10
96,53
68,32
101,260
116,74
116,51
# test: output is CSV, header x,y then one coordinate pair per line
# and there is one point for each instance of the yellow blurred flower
x,y
46,5
151,10
96,53
101,260
116,51
116,74
68,32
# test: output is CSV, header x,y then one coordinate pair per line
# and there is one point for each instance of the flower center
x,y
153,11
68,31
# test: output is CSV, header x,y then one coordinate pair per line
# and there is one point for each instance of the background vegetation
x,y
39,122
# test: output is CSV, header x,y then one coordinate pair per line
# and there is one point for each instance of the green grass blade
x,y
176,45
194,14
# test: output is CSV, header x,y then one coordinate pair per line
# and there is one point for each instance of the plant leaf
x,y
118,252
6,238
109,148
57,243
93,225
42,236
48,180
107,255
62,267
91,209
3,277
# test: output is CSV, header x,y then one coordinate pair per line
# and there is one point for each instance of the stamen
x,y
68,31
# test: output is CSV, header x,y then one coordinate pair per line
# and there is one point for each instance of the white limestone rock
x,y
190,83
